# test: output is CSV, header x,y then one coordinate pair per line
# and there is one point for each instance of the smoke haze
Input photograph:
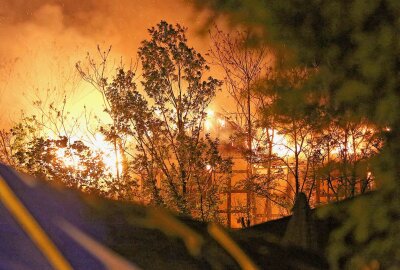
x,y
41,40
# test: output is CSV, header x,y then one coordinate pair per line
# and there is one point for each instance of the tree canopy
x,y
354,48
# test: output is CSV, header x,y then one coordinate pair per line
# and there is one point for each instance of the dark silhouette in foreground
x,y
93,233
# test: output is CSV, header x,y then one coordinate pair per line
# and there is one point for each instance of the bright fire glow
x,y
107,151
208,120
280,143
213,121
99,145
68,158
221,122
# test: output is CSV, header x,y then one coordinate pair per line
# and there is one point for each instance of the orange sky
x,y
41,40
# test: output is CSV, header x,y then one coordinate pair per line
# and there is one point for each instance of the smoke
x,y
41,40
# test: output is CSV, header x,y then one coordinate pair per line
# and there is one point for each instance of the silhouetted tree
x,y
243,65
178,165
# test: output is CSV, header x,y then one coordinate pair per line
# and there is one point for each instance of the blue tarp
x,y
63,216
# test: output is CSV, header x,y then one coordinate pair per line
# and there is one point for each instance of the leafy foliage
x,y
177,165
355,47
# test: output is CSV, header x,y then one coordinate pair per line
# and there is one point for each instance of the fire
x,y
280,143
99,145
68,158
213,121
209,119
221,122
112,160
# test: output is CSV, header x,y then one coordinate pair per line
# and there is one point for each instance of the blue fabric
x,y
16,249
49,206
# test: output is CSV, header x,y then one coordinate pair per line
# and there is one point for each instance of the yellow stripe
x,y
231,247
172,226
32,228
